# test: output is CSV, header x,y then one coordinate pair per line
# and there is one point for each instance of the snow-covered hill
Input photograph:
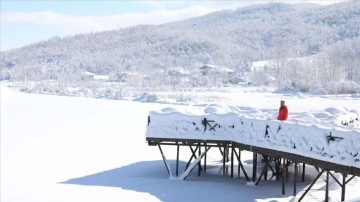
x,y
230,38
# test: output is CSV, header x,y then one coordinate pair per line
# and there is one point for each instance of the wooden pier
x,y
277,161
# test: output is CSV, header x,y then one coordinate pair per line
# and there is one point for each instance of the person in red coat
x,y
283,111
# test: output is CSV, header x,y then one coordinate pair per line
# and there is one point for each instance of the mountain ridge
x,y
231,38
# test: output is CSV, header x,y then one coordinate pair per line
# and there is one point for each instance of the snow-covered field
x,y
57,148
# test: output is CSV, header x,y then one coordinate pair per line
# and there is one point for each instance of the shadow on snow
x,y
152,177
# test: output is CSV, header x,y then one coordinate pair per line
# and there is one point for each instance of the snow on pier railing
x,y
228,123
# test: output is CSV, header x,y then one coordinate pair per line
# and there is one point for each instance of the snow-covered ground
x,y
57,148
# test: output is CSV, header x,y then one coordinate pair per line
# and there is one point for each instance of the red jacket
x,y
283,113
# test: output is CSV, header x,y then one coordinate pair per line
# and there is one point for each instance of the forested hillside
x,y
328,35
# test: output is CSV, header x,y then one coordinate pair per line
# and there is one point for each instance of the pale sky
x,y
29,21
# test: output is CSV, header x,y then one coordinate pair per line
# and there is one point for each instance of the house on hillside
x,y
217,75
101,77
262,72
263,65
87,76
177,75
